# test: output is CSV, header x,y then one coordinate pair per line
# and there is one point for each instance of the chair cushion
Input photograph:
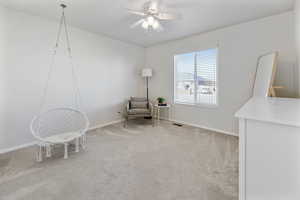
x,y
63,137
139,104
137,111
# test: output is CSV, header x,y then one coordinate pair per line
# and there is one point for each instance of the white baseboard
x,y
22,146
203,127
15,148
105,124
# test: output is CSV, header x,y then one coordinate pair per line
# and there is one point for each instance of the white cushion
x,y
63,137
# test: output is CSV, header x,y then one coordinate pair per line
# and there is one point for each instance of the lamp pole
x,y
146,73
147,89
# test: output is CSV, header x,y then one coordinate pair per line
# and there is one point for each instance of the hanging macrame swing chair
x,y
63,125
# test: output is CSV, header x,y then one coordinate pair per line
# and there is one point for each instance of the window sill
x,y
199,105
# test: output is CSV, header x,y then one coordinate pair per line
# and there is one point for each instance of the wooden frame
x,y
265,75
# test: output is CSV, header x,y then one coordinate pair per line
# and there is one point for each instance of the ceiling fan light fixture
x,y
152,17
145,25
155,24
150,20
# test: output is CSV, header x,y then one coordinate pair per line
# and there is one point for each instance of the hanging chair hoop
x,y
80,133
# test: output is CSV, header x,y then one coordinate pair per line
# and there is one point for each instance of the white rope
x,y
76,90
74,77
45,90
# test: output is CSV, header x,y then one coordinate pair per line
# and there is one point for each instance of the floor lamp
x,y
147,73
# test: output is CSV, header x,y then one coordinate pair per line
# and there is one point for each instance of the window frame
x,y
195,104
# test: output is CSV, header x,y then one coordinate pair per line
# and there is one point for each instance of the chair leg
x,y
66,151
39,153
48,150
153,121
77,145
154,116
83,141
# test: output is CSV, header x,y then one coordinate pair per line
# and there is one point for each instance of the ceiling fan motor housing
x,y
150,8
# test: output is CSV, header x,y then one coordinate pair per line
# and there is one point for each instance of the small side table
x,y
157,111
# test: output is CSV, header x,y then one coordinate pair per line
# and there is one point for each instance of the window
x,y
195,77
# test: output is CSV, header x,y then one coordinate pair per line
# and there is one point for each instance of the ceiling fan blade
x,y
137,23
136,12
168,16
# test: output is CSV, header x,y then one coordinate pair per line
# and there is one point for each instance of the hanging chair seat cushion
x,y
63,137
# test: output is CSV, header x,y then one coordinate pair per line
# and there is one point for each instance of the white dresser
x,y
269,132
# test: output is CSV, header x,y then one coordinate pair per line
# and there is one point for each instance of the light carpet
x,y
140,162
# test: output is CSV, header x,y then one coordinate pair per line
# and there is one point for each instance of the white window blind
x,y
195,77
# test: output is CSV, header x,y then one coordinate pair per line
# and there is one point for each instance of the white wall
x,y
107,72
239,48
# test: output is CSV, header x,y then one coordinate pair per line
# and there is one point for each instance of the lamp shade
x,y
147,72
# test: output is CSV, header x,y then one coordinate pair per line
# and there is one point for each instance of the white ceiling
x,y
109,17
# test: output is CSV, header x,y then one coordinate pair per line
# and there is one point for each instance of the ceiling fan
x,y
152,16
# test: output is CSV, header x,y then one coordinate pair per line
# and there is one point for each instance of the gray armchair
x,y
138,107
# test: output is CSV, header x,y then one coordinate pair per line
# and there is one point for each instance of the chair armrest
x,y
127,106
